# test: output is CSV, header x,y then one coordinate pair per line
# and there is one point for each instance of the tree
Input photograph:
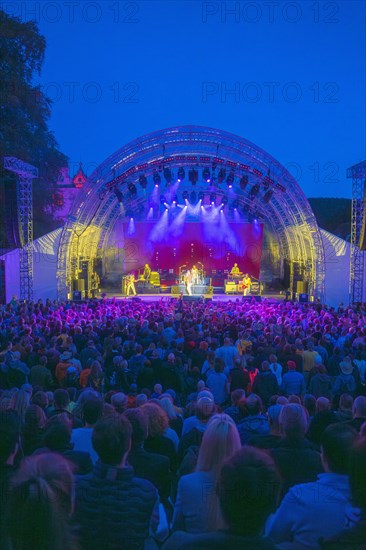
x,y
24,115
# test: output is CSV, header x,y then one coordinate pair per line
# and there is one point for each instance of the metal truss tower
x,y
357,173
26,173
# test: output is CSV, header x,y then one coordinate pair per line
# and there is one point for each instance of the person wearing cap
x,y
293,382
345,382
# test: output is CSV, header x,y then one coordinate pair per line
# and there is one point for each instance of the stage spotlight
x,y
162,199
167,174
212,198
185,195
175,199
201,196
254,191
221,175
119,195
132,188
230,180
243,182
193,197
224,200
206,175
156,179
193,176
267,196
235,205
143,181
181,174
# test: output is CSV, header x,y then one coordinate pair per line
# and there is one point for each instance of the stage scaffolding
x,y
288,213
25,174
357,173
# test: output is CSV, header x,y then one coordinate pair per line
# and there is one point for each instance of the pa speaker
x,y
76,295
301,287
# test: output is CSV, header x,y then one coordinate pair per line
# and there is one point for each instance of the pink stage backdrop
x,y
218,246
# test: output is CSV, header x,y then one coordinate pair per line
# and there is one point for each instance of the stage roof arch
x,y
260,185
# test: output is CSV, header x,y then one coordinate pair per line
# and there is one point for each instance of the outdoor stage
x,y
273,297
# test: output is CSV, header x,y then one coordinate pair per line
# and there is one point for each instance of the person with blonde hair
x,y
42,500
197,506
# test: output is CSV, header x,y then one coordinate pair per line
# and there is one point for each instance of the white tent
x,y
336,253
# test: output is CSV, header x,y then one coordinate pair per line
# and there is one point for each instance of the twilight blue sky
x,y
296,70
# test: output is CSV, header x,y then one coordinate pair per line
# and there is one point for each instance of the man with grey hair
x,y
119,402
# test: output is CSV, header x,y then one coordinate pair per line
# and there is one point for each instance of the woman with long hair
x,y
197,507
41,500
19,403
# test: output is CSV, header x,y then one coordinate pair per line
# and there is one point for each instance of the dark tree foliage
x,y
24,132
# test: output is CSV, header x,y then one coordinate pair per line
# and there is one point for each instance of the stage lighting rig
x,y
201,196
193,176
181,174
243,182
156,179
267,196
132,188
167,175
163,199
254,191
185,195
230,180
221,175
235,205
213,198
224,200
206,175
143,181
119,195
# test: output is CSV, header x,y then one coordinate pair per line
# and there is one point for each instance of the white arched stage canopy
x,y
122,186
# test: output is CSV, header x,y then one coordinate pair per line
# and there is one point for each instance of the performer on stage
x,y
147,273
94,283
130,284
188,282
195,275
247,282
235,271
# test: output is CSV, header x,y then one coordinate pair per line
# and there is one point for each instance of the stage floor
x,y
194,297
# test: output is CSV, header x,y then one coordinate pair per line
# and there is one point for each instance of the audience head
x,y
92,410
119,401
42,501
111,439
139,423
293,421
220,440
248,487
336,443
346,402
61,399
157,419
205,408
359,407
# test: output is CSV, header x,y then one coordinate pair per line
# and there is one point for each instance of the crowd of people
x,y
127,424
